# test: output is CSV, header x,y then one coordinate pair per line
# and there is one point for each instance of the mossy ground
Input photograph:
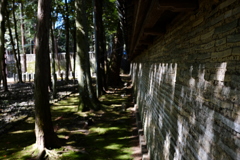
x,y
100,135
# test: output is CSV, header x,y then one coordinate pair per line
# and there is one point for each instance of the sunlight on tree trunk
x,y
1,36
23,39
114,78
87,99
45,135
66,19
54,88
17,43
96,19
2,49
74,53
18,66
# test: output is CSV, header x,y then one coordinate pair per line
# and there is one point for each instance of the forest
x,y
78,90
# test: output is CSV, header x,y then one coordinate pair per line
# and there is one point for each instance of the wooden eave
x,y
146,20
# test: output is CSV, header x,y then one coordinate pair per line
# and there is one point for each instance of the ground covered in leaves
x,y
92,135
18,103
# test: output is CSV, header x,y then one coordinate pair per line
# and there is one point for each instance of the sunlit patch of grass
x,y
107,137
101,130
61,130
98,130
21,131
71,155
126,154
18,143
64,108
26,153
124,138
30,120
114,146
81,114
71,142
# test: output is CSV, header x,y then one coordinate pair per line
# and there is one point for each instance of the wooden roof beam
x,y
155,32
149,20
146,42
178,5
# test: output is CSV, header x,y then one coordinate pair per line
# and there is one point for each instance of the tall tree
x,y
53,59
18,65
23,38
97,5
2,48
87,99
1,36
74,52
45,135
66,19
17,42
114,78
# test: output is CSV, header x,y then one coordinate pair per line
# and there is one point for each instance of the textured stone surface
x,y
187,85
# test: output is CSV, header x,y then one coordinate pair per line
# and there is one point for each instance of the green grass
x,y
107,138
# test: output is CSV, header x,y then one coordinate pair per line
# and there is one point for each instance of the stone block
x,y
226,27
228,14
198,22
226,3
236,10
217,19
207,35
236,51
221,54
233,38
221,41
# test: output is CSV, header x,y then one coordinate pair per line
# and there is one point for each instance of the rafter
x,y
177,5
153,31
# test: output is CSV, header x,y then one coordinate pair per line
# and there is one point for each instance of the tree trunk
x,y
87,99
74,53
114,78
2,49
4,74
1,35
53,62
18,52
45,135
18,66
67,42
23,39
99,84
101,41
58,58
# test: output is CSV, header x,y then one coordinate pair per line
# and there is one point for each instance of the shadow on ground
x,y
104,134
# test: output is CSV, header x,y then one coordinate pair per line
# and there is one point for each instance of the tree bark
x,y
87,99
53,62
23,39
96,18
2,48
45,135
4,74
18,66
101,43
18,52
114,78
74,53
1,36
67,42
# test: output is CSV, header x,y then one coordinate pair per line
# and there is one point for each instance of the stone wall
x,y
60,62
187,85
